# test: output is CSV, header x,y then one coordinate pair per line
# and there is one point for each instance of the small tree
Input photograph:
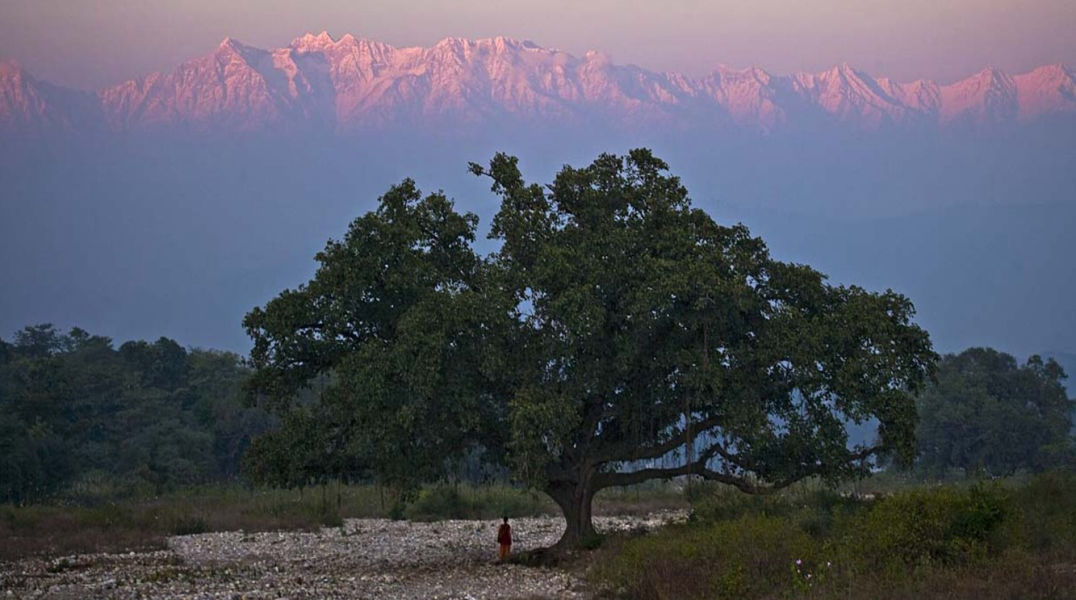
x,y
615,328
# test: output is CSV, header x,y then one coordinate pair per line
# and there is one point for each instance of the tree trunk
x,y
574,500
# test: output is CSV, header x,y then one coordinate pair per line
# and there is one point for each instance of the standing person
x,y
504,538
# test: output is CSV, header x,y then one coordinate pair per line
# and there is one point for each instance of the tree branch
x,y
631,450
604,480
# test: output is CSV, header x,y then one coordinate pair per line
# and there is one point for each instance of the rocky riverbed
x,y
364,558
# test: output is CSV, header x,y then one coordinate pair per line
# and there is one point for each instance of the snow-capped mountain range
x,y
351,85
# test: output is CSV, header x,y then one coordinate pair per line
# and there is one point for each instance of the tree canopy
x,y
615,327
82,418
986,413
396,324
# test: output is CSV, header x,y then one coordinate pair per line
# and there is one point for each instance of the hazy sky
x,y
89,43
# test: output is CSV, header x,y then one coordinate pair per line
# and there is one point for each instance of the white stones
x,y
374,558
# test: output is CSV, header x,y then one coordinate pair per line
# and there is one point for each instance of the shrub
x,y
441,502
944,525
815,511
465,502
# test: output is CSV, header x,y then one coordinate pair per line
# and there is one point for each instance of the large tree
x,y
617,335
396,329
986,413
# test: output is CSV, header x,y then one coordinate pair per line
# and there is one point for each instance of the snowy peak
x,y
312,43
852,95
23,105
748,95
1047,90
988,97
349,85
921,95
236,88
29,106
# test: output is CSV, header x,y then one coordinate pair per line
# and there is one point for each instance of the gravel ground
x,y
366,558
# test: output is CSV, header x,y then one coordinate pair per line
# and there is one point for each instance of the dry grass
x,y
137,524
1014,575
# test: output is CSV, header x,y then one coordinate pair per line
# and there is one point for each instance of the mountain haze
x,y
352,85
173,203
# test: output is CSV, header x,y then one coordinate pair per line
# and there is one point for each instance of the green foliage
x,y
817,512
395,323
643,328
615,324
484,502
979,541
299,453
442,502
943,525
82,419
986,414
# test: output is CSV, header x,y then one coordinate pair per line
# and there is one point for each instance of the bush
x,y
943,525
816,511
442,502
462,502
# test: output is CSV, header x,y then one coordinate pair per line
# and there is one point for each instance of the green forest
x,y
83,420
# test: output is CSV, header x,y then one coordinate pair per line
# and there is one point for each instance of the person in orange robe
x,y
504,538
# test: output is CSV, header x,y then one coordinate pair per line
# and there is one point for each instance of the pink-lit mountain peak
x,y
310,41
352,84
231,46
990,77
745,73
9,66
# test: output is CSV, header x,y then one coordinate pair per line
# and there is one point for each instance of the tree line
x,y
81,417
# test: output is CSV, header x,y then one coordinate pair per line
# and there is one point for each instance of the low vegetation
x,y
986,540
